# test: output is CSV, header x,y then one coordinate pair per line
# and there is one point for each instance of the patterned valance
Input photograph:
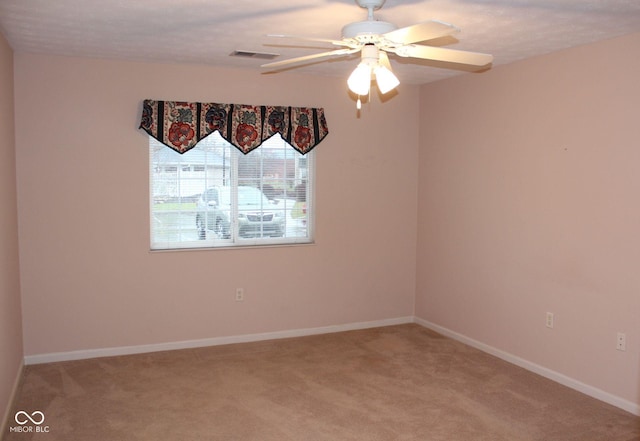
x,y
181,125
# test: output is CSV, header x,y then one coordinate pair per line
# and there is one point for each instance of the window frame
x,y
236,241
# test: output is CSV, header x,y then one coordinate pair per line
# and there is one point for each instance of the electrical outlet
x,y
621,342
549,322
239,294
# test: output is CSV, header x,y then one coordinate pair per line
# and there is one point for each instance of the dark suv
x,y
257,215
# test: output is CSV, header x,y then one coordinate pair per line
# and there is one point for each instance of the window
x,y
216,196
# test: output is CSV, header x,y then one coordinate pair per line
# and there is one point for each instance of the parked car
x,y
257,215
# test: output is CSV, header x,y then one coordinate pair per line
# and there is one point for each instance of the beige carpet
x,y
394,383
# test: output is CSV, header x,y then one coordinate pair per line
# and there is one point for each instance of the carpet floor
x,y
392,383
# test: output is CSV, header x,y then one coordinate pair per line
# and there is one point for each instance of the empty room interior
x,y
462,263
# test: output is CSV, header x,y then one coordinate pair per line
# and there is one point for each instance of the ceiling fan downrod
x,y
370,6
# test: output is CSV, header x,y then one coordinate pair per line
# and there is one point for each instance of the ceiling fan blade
x,y
337,52
421,32
444,54
384,60
298,37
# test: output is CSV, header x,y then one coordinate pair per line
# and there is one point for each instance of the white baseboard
x,y
215,341
4,423
586,389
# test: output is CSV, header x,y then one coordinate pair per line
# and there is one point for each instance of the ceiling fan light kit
x,y
372,64
360,80
385,79
374,39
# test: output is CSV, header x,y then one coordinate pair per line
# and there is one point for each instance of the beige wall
x,y
529,202
10,314
88,278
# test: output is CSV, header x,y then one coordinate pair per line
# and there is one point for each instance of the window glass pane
x,y
215,196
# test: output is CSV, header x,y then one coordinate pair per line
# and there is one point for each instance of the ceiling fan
x,y
375,38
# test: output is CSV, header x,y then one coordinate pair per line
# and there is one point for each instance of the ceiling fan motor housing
x,y
367,31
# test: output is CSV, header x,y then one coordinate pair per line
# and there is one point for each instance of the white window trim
x,y
237,241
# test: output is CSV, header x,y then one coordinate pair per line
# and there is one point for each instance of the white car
x,y
257,215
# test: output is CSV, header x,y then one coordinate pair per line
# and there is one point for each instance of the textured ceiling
x,y
207,31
